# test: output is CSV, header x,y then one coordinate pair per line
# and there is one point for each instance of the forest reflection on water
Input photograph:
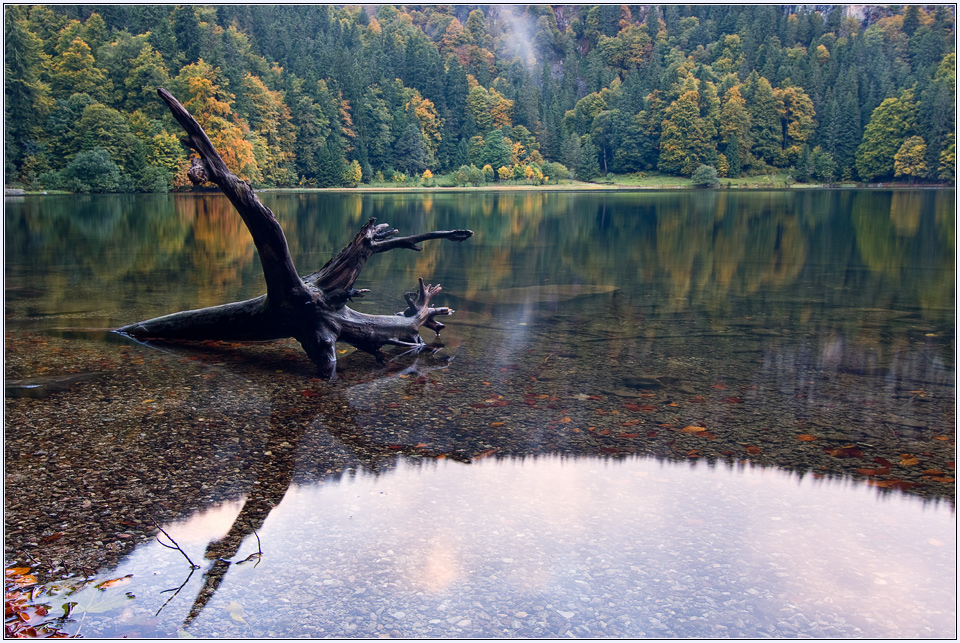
x,y
597,337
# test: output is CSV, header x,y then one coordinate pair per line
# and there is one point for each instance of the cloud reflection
x,y
719,550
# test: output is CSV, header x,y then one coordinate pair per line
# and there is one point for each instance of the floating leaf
x,y
565,420
692,429
908,460
235,610
806,437
115,582
16,571
102,602
496,424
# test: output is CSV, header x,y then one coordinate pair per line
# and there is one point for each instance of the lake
x,y
653,414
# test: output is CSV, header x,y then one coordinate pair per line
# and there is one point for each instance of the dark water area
x,y
653,414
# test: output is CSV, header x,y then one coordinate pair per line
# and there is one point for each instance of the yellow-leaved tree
x,y
212,106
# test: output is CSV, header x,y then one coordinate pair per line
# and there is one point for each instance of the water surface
x,y
707,413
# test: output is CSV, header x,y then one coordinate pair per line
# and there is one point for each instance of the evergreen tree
x,y
26,97
766,133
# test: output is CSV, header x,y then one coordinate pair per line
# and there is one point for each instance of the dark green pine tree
x,y
849,129
732,153
23,90
938,113
330,165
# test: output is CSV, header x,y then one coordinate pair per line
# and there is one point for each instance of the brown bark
x,y
311,309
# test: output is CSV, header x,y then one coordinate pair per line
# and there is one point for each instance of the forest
x,y
327,96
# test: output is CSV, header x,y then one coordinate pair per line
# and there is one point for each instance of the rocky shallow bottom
x,y
104,437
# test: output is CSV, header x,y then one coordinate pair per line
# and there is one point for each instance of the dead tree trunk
x,y
311,309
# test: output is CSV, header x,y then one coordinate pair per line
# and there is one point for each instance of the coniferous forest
x,y
320,96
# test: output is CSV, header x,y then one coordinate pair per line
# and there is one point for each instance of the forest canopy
x,y
319,96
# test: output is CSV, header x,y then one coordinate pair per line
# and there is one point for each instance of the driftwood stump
x,y
311,309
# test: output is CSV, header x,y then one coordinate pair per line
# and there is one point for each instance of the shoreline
x,y
577,187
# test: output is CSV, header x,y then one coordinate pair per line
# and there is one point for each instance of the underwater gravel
x,y
146,435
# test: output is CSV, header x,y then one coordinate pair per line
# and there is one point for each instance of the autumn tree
x,y
909,160
199,84
74,71
890,125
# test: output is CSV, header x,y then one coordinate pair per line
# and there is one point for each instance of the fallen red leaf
x,y
874,472
903,485
630,406
720,386
806,437
883,461
754,450
651,434
845,452
629,435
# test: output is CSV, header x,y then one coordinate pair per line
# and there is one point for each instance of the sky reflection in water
x,y
550,546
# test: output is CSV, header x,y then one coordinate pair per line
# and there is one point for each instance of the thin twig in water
x,y
176,590
257,554
174,545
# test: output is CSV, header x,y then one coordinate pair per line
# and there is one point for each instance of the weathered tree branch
x,y
311,309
